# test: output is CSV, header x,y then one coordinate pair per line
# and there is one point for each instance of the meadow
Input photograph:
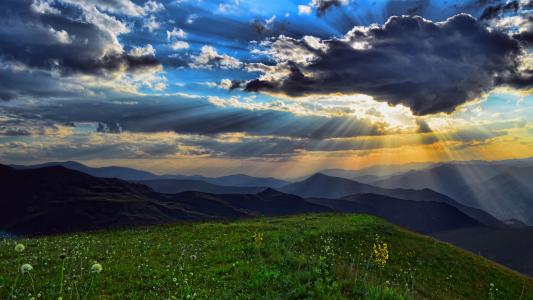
x,y
314,256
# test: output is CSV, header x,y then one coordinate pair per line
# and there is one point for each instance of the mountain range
x,y
130,174
503,191
56,198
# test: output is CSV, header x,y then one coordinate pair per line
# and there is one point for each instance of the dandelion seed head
x,y
19,248
26,268
96,268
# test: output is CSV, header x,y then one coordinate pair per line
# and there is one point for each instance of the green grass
x,y
326,256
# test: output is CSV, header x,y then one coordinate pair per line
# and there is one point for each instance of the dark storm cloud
x,y
184,116
428,67
422,126
322,6
62,42
35,84
495,11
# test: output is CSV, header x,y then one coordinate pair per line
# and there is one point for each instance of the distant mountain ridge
x,y
323,186
174,186
130,174
56,199
501,190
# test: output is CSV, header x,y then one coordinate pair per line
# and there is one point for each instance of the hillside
x,y
418,216
56,199
509,247
309,256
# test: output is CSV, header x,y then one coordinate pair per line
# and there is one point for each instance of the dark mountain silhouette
x,y
56,199
509,247
415,215
130,174
266,203
323,186
174,186
246,181
104,172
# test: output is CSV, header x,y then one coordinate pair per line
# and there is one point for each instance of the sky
x,y
272,88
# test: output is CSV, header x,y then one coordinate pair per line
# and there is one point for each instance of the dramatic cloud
x,y
426,66
37,38
183,116
322,6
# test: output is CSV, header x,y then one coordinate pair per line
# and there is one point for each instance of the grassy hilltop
x,y
327,256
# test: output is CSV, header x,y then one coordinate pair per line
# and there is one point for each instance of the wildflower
x,y
258,239
26,268
381,252
491,284
96,268
19,248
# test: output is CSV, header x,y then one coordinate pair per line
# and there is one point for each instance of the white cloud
x,y
178,45
61,36
151,24
143,51
191,18
44,7
152,7
225,84
209,57
304,9
176,33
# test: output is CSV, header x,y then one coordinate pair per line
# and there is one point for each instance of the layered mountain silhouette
x,y
56,199
323,186
104,172
240,180
173,186
419,216
499,189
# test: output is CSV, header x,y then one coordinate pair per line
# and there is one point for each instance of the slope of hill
x,y
509,247
323,186
267,203
299,257
418,216
174,186
56,199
